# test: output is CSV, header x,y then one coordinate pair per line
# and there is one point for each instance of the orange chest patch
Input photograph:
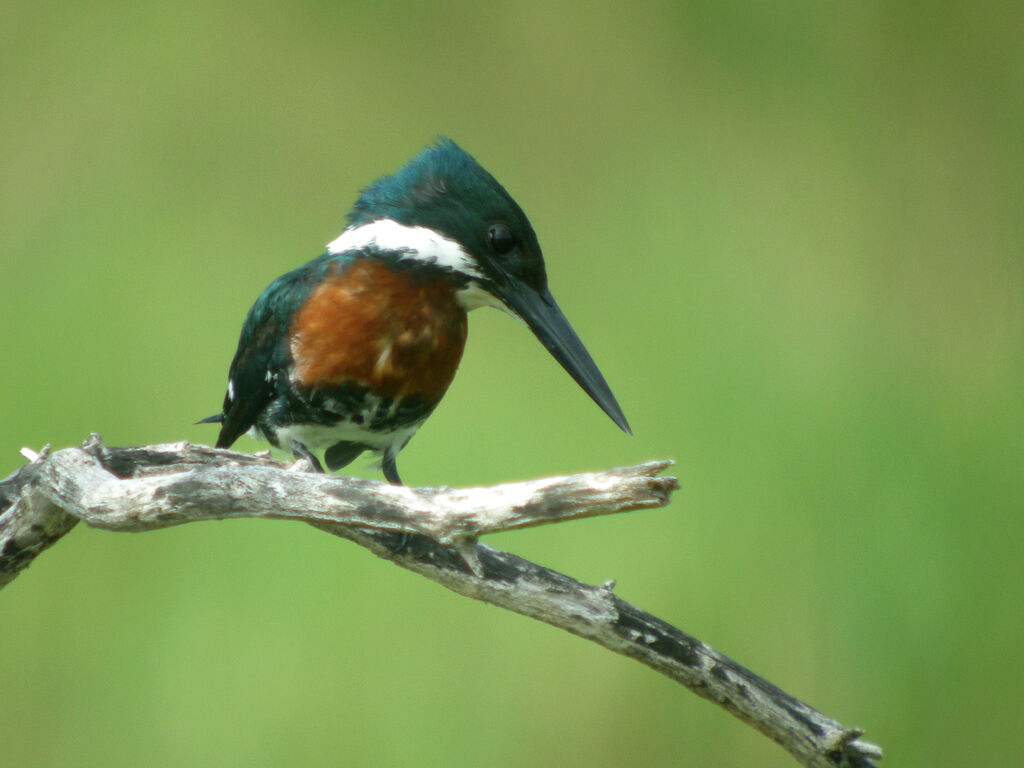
x,y
375,326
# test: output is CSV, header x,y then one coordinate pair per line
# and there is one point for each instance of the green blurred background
x,y
790,233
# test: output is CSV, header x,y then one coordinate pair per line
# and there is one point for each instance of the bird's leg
x,y
301,452
390,470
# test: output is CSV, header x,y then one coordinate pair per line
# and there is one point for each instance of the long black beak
x,y
549,325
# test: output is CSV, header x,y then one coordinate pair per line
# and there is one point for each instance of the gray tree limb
x,y
431,531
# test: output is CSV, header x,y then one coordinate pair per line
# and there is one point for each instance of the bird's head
x,y
444,213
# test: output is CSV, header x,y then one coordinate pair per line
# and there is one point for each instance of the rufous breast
x,y
379,327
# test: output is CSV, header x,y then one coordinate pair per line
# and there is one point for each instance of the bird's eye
x,y
501,239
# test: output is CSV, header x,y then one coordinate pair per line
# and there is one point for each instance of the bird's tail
x,y
217,418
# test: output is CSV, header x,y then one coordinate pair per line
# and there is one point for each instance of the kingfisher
x,y
352,351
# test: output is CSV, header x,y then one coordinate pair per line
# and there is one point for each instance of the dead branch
x,y
431,531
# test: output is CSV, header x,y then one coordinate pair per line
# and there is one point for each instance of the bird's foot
x,y
305,461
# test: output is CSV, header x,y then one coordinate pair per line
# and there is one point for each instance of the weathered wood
x,y
431,531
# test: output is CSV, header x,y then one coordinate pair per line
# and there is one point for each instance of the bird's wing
x,y
263,351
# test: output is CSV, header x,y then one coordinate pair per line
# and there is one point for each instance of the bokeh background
x,y
790,233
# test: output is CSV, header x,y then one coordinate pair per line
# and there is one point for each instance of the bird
x,y
352,351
